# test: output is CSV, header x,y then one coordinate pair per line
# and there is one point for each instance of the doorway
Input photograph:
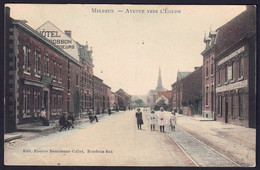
x,y
226,109
45,102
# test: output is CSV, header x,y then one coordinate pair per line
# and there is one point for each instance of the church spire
x,y
159,83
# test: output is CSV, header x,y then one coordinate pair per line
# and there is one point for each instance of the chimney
x,y
68,33
7,12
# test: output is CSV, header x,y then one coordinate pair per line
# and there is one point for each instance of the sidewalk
x,y
34,130
235,142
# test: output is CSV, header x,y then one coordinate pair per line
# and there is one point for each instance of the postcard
x,y
130,85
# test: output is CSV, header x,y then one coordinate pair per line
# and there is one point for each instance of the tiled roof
x,y
243,25
167,94
182,75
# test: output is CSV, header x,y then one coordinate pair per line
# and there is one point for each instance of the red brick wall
x,y
233,119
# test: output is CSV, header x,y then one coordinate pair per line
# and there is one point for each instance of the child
x,y
173,121
153,120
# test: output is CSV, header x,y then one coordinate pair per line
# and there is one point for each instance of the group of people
x,y
159,118
66,123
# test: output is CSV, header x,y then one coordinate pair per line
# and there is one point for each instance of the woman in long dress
x,y
139,119
161,119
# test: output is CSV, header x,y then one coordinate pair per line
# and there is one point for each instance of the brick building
x,y
187,90
208,77
124,99
79,52
177,90
98,94
37,74
235,60
164,95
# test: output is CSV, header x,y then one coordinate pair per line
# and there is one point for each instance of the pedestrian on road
x,y
161,119
70,120
173,121
153,120
63,122
109,111
92,117
43,117
139,119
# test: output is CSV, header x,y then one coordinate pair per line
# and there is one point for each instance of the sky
x,y
130,45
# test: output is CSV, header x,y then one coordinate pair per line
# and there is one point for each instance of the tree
x,y
139,103
160,104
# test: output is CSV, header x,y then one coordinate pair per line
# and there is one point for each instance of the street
x,y
113,141
116,141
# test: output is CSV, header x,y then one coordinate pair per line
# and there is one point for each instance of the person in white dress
x,y
161,119
152,120
173,121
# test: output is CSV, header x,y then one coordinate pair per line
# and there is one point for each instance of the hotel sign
x,y
231,55
240,84
60,39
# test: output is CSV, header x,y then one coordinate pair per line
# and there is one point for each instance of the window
x,y
207,69
37,101
207,96
54,69
219,105
241,111
212,69
226,73
77,80
26,102
60,72
240,67
232,70
232,105
37,62
47,64
26,54
219,76
68,86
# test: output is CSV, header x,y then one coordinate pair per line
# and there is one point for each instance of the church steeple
x,y
159,83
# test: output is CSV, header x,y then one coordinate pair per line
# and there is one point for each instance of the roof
x,y
243,25
182,75
45,40
167,94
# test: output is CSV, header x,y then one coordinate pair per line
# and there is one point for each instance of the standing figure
x,y
43,117
173,121
139,119
109,111
153,120
161,119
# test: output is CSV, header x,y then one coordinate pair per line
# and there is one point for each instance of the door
x,y
45,102
226,109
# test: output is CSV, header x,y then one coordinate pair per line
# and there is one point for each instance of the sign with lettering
x,y
233,86
46,79
59,38
231,55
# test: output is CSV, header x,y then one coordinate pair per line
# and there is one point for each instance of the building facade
x,y
124,99
187,90
233,82
39,75
236,70
98,98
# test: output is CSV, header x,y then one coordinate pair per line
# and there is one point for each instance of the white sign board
x,y
59,38
240,84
